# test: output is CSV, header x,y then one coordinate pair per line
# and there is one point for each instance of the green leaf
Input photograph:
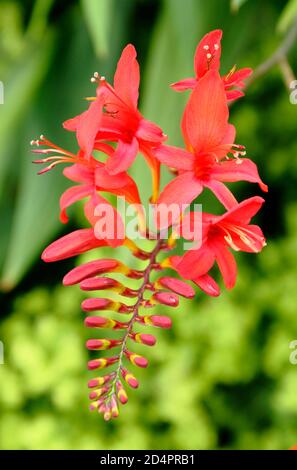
x,y
35,219
97,15
19,89
287,16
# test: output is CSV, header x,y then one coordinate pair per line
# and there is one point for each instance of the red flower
x,y
92,178
209,139
220,233
207,57
205,281
114,116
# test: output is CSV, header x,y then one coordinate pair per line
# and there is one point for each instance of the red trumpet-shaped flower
x,y
220,233
114,116
209,140
93,179
207,57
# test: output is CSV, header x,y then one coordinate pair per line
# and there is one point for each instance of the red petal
x,y
89,125
186,84
206,115
226,263
223,194
72,124
201,63
196,263
252,239
72,244
236,78
208,285
79,173
70,196
150,132
121,184
180,192
174,157
126,79
238,170
232,95
243,212
123,157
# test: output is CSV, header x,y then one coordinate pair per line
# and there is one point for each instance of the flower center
x,y
203,165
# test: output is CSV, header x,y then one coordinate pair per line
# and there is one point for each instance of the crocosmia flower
x,y
109,135
207,57
211,157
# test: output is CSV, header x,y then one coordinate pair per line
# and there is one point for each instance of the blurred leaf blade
x,y
97,15
287,16
19,90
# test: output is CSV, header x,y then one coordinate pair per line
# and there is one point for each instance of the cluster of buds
x,y
110,134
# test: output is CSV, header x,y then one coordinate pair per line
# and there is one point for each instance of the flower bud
x,y
114,407
148,340
103,322
102,362
129,378
121,393
136,359
175,285
155,320
98,381
165,298
95,394
90,269
102,344
98,283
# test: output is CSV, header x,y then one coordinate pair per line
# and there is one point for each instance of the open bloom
x,y
93,179
209,140
114,116
207,57
220,233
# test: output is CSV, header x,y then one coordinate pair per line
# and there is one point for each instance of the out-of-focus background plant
x,y
222,377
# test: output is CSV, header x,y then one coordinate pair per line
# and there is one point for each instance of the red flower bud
x,y
148,340
165,298
90,269
121,393
98,381
98,283
155,320
102,344
102,362
136,359
129,378
175,285
95,394
103,322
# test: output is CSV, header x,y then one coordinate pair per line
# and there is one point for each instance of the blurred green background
x,y
222,377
